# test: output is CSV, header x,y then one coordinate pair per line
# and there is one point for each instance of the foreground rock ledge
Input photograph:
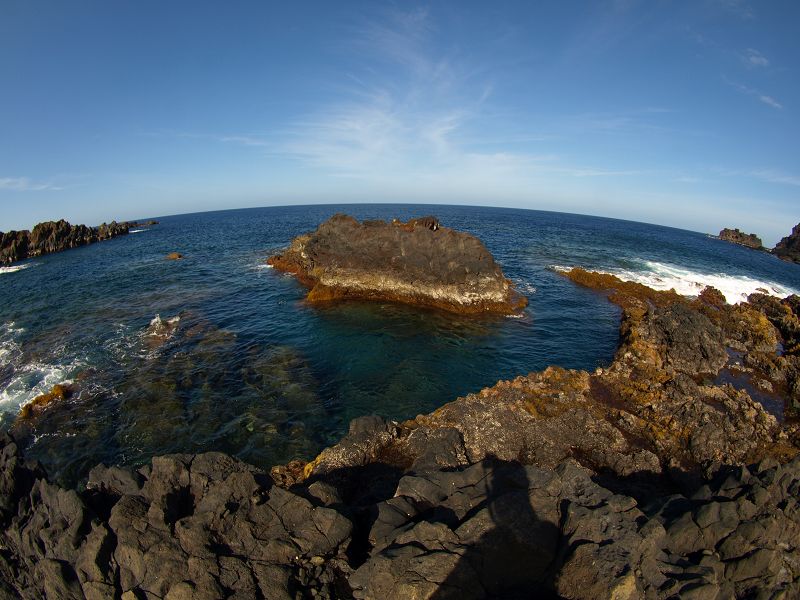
x,y
418,262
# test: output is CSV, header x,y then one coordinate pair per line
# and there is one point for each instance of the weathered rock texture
x,y
418,263
207,526
54,236
750,240
789,247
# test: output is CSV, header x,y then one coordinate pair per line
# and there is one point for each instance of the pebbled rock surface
x,y
54,236
789,247
418,262
750,240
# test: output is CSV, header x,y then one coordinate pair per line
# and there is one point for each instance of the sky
x,y
678,113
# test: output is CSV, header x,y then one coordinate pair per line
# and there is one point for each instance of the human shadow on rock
x,y
512,539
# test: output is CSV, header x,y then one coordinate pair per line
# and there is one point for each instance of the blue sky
x,y
679,113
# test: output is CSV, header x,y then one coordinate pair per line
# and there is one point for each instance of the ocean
x,y
250,369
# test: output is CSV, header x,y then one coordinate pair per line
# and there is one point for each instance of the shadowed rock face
x,y
789,247
738,237
418,263
54,236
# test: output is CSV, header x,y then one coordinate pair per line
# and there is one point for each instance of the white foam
x,y
687,282
525,287
31,380
15,268
137,230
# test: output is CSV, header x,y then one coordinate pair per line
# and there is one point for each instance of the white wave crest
x,y
137,230
687,282
15,268
31,380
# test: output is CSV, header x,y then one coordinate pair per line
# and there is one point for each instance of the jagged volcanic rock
x,y
789,247
208,526
54,236
418,263
744,239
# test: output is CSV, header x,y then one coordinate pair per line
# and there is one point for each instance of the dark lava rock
x,y
744,239
789,247
209,526
418,262
54,236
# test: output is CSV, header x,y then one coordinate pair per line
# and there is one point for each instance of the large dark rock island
x,y
789,247
659,476
418,262
750,240
56,236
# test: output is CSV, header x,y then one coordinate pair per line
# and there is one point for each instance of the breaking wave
x,y
687,282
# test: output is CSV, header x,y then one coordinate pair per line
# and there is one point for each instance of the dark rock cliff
x,y
789,247
54,236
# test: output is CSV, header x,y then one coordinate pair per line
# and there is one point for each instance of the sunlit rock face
x,y
418,262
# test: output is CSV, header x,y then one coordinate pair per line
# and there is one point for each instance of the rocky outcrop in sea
x,y
789,247
750,240
418,262
55,236
660,476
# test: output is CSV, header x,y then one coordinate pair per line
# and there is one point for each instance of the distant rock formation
x,y
739,237
418,262
54,236
789,247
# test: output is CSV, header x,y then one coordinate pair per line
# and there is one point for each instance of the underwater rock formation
x,y
418,262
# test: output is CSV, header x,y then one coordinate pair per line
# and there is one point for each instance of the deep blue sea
x,y
252,370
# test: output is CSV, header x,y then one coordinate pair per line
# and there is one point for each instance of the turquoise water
x,y
252,370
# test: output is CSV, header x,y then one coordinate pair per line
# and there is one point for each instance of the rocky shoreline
x,y
787,249
418,262
56,236
660,476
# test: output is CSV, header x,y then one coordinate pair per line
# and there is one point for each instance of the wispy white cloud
x,y
23,184
754,58
427,123
776,176
768,100
739,8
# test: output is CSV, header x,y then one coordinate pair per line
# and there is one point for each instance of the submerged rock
x,y
418,262
743,239
789,247
60,391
